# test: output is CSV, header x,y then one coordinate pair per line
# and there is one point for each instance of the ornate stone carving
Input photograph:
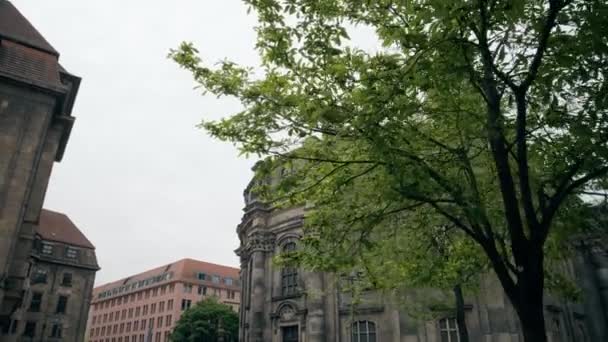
x,y
287,313
259,241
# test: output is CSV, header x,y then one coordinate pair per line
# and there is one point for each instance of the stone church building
x,y
293,305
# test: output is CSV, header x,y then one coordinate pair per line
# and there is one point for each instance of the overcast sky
x,y
139,179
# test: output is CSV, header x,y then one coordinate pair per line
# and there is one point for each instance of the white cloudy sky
x,y
140,180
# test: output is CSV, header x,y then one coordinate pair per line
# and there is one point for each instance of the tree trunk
x,y
463,332
532,320
528,301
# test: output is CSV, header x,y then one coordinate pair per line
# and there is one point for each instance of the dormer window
x,y
71,253
47,248
215,279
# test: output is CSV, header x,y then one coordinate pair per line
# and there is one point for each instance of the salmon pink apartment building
x,y
146,306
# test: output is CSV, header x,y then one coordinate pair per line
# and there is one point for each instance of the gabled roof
x,y
54,226
14,26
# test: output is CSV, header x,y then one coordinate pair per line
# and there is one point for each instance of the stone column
x,y
261,244
315,296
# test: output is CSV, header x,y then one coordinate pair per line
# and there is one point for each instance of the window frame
x,y
72,253
62,305
451,326
289,275
38,302
360,335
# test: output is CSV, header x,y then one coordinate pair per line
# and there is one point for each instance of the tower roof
x,y
14,26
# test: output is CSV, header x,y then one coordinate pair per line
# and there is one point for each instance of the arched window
x,y
449,330
364,331
289,275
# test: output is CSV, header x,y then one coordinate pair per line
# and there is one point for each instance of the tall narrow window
x,y
449,330
30,329
67,280
290,334
56,331
36,302
364,331
289,275
62,304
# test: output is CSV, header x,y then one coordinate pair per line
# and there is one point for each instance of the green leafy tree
x,y
207,321
485,115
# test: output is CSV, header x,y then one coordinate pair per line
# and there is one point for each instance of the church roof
x,y
54,226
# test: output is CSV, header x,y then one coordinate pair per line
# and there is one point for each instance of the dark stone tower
x,y
36,99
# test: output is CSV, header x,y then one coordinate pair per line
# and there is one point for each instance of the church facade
x,y
293,305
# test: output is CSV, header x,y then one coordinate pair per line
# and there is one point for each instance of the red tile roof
x,y
184,269
54,226
14,26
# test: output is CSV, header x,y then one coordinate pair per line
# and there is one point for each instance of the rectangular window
x,y
201,276
129,327
168,320
130,313
228,281
66,280
137,311
47,249
159,321
135,325
152,308
449,330
151,324
39,276
36,302
188,288
202,290
161,306
157,337
155,292
30,329
215,279
163,289
171,288
124,314
145,310
186,304
62,304
71,253
170,304
143,324
122,328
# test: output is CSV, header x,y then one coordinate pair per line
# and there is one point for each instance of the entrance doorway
x,y
290,333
